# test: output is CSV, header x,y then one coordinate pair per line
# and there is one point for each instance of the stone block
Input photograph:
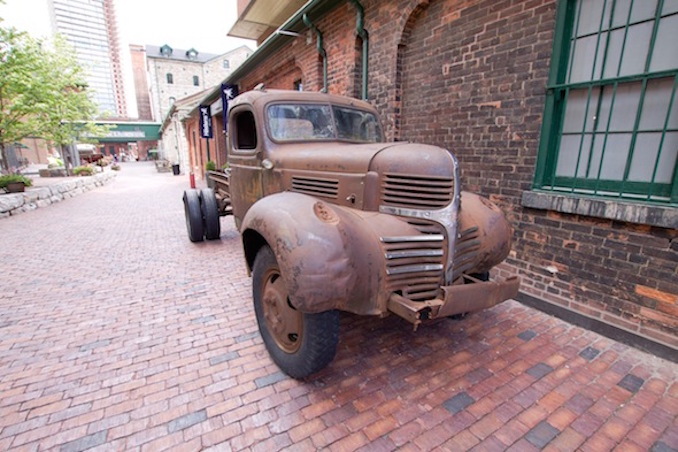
x,y
43,192
30,196
11,201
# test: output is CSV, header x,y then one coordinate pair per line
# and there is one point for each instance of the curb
x,y
15,203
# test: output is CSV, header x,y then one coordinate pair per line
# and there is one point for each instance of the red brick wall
x,y
143,95
119,148
144,146
470,76
197,149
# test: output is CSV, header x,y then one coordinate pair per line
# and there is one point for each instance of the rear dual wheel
x,y
299,343
193,213
202,215
210,214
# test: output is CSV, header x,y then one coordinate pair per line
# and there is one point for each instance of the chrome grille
x,y
326,188
416,192
466,251
414,265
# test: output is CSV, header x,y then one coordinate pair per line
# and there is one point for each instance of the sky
x,y
201,24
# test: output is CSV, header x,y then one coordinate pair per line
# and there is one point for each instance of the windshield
x,y
294,122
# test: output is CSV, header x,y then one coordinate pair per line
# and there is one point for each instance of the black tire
x,y
193,215
484,276
303,343
210,214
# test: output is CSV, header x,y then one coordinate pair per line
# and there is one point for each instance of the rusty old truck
x,y
334,218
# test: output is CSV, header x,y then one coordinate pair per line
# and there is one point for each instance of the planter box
x,y
53,172
15,187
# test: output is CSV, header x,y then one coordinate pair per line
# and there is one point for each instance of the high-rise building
x,y
90,27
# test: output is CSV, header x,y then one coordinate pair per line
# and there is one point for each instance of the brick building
x,y
176,73
563,112
143,94
175,141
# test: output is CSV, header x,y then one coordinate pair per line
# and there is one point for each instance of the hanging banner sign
x,y
228,92
205,121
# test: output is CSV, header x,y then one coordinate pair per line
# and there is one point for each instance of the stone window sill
x,y
627,211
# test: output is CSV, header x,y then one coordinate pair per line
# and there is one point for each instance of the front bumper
x,y
457,299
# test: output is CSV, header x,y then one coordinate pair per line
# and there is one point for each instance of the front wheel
x,y
299,343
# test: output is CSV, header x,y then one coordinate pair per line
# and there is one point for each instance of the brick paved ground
x,y
117,333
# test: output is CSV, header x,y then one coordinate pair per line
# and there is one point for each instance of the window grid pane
x,y
618,120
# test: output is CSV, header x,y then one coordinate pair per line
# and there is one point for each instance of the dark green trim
x,y
618,187
610,81
557,97
557,72
126,132
364,35
320,47
314,8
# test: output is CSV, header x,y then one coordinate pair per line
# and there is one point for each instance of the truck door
x,y
244,159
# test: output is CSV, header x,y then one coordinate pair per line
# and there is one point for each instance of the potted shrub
x,y
15,183
210,166
83,170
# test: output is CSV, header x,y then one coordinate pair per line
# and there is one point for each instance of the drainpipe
x,y
321,49
360,24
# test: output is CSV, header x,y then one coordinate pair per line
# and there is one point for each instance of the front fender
x,y
328,261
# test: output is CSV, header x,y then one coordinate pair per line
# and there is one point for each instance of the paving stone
x,y
270,379
204,319
86,442
186,421
458,403
539,370
527,335
589,353
96,344
223,358
660,446
542,434
631,383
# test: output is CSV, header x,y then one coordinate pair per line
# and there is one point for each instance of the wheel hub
x,y
282,320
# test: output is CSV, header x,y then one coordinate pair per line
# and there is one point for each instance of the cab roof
x,y
261,97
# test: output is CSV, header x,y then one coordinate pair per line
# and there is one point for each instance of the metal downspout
x,y
321,49
360,29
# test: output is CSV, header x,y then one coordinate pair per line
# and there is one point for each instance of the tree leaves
x,y
43,92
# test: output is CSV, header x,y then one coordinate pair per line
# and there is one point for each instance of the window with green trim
x,y
611,117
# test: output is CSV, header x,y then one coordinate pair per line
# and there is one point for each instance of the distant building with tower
x,y
163,75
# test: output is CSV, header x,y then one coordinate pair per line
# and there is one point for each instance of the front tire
x,y
299,343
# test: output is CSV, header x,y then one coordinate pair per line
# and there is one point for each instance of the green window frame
x,y
610,124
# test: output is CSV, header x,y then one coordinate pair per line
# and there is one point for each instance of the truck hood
x,y
399,157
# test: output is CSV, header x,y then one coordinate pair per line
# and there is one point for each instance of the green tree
x,y
22,66
70,110
43,93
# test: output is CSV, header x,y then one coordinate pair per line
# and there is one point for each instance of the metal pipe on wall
x,y
321,49
364,36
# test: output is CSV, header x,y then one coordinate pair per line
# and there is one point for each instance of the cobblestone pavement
x,y
117,333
